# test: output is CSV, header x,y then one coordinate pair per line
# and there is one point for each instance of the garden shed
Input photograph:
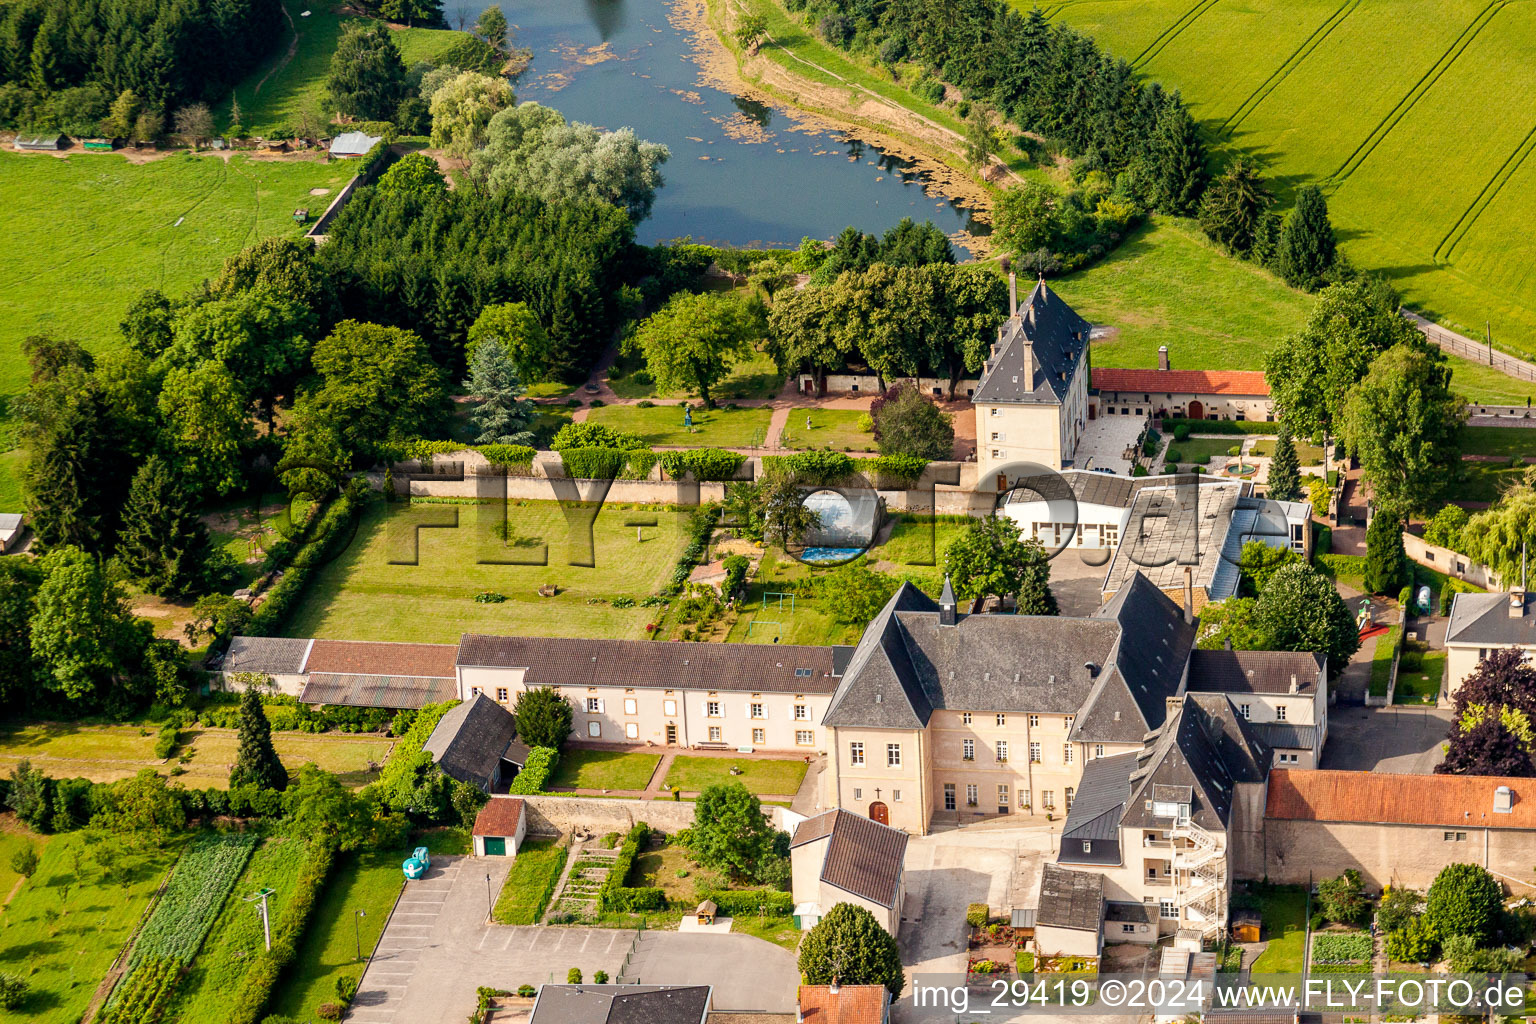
x,y
11,525
499,827
351,144
39,142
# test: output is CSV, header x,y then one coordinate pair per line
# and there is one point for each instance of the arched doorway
x,y
1196,410
879,812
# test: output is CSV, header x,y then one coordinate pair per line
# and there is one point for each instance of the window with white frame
x,y
594,705
1280,713
802,713
1002,750
805,738
594,729
1002,798
501,694
965,718
1067,723
970,794
1167,910
757,709
858,794
714,734
669,708
968,750
1048,799
855,753
893,755
759,736
1066,753
1070,793
1087,846
1098,750
631,707
1002,719
949,796
896,796
711,709
1034,721
1024,799
1244,710
631,730
1034,753
474,691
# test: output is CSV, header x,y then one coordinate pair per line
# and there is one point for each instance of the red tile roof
x,y
853,1004
1196,382
1441,800
499,817
354,657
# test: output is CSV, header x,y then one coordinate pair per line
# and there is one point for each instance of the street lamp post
x,y
357,930
490,906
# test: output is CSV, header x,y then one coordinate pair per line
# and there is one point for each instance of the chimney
x,y
1162,357
833,987
1517,592
1226,644
947,604
1189,594
1013,289
1295,686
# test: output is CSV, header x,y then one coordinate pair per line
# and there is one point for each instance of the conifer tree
x,y
256,761
1385,560
1180,169
1307,250
163,544
1285,470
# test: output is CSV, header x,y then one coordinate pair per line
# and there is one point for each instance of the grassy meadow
x,y
1413,115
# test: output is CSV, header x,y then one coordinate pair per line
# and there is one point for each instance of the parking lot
x,y
438,948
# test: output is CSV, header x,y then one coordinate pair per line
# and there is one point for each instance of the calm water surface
x,y
741,173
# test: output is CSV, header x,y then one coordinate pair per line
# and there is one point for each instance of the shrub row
x,y
615,896
702,463
422,451
266,967
285,714
535,774
701,523
814,468
906,469
745,903
608,463
1172,425
333,528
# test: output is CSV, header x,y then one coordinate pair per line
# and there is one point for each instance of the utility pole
x,y
357,931
260,898
490,904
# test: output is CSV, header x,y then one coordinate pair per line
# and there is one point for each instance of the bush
x,y
573,976
747,902
13,990
535,774
1343,899
1414,942
527,991
1317,922
702,463
884,469
599,977
1175,423
332,528
1173,456
615,896
1181,431
976,915
1464,900
329,1011
813,468
346,989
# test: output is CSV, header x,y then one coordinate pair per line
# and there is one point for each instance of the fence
x,y
628,974
1478,352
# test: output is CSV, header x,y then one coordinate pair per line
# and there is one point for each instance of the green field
x,y
837,429
368,881
772,778
69,921
1503,441
663,424
604,769
1413,115
272,96
363,596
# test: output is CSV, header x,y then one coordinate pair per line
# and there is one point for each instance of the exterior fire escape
x,y
1199,877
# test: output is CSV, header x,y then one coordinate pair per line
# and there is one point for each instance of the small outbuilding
x,y
499,827
1245,925
12,526
99,145
352,144
706,912
39,143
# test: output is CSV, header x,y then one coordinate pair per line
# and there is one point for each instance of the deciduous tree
x,y
992,558
1300,610
730,831
1464,899
85,640
1024,218
1494,731
692,342
1503,537
1405,424
520,333
492,27
855,593
908,423
414,172
462,110
378,384
207,422
849,947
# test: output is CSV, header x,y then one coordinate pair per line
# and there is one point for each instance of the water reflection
x,y
758,113
607,17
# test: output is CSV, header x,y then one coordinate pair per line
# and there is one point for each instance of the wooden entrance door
x,y
671,734
879,812
1196,410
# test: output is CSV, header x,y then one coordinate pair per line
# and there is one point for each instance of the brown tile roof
x,y
1252,671
499,817
864,857
1440,800
354,657
853,1004
562,661
1197,382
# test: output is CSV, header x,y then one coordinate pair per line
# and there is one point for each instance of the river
x,y
742,172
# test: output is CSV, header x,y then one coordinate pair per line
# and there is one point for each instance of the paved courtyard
x,y
438,948
1403,740
1104,442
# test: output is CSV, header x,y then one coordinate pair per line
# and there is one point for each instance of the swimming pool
x,y
830,556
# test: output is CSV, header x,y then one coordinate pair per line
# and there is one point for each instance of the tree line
x,y
64,62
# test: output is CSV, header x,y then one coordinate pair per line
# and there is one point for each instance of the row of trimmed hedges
x,y
814,467
333,529
423,451
535,774
608,463
745,902
267,966
1171,425
615,896
702,463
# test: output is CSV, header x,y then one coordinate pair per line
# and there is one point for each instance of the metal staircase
x,y
1200,878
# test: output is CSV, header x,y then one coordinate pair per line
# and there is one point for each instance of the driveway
x,y
438,948
1400,740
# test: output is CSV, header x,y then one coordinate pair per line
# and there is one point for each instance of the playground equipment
x,y
417,863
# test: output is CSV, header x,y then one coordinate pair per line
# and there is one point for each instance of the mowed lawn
x,y
531,881
1347,96
68,922
751,376
1504,441
604,769
410,576
663,424
1283,910
87,234
763,777
837,429
369,882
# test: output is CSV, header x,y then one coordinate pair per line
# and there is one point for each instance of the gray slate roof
x,y
1285,736
1055,336
470,739
274,655
1174,527
1199,756
1131,695
1254,671
1100,801
1070,899
565,661
1130,912
626,1004
863,857
1485,619
377,691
